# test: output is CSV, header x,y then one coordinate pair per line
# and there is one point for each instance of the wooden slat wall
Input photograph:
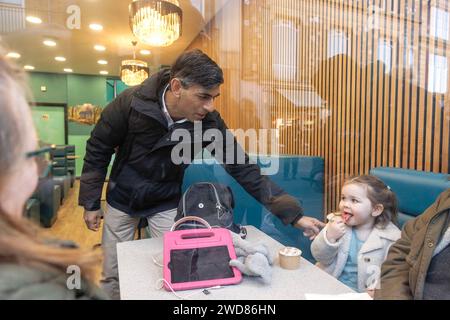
x,y
369,114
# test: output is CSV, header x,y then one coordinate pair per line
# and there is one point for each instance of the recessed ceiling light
x,y
104,72
49,43
68,70
145,52
102,62
27,67
62,59
99,47
33,19
96,27
13,55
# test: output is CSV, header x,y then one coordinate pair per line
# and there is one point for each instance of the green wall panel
x,y
83,89
56,85
120,87
79,139
86,89
74,90
49,122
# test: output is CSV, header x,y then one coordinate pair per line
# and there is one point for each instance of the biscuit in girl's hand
x,y
333,215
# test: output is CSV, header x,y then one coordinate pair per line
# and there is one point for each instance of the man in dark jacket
x,y
145,181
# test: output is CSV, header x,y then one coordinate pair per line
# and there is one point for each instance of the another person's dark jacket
x,y
143,179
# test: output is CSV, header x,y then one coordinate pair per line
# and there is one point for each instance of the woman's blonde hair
x,y
20,243
378,193
19,240
13,95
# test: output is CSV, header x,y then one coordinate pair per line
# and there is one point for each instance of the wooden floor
x,y
70,225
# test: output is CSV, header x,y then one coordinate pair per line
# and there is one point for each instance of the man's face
x,y
195,102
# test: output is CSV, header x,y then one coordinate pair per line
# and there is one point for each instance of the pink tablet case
x,y
198,238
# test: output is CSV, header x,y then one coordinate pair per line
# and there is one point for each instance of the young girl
x,y
356,240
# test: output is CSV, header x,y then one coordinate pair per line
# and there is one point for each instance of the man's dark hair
x,y
195,67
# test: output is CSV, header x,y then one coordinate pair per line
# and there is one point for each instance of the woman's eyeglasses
x,y
42,157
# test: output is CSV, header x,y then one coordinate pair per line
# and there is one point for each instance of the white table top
x,y
139,275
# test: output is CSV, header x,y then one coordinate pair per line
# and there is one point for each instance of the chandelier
x,y
156,23
133,72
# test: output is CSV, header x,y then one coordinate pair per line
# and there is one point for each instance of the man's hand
x,y
92,219
311,226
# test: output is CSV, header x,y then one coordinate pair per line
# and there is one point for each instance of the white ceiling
x,y
76,45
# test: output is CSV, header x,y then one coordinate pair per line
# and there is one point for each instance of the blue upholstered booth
x,y
415,190
301,177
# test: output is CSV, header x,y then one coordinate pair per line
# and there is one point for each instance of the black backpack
x,y
214,202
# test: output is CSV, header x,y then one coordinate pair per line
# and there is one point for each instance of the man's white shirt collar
x,y
169,119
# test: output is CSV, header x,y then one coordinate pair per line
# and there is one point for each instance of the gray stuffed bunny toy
x,y
252,259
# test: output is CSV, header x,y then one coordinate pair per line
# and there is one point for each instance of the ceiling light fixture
x,y
68,70
62,59
104,72
28,67
133,72
96,27
156,23
49,43
99,47
102,62
145,52
33,19
13,55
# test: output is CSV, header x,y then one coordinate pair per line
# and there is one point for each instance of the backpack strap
x,y
219,206
183,199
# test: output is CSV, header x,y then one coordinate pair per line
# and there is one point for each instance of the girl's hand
x,y
336,229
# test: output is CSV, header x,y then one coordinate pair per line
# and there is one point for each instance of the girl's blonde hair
x,y
378,193
19,240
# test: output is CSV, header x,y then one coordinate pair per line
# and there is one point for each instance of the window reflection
x,y
200,6
284,50
437,74
385,54
439,23
337,43
408,58
12,17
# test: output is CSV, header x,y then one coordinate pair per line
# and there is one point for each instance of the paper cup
x,y
289,258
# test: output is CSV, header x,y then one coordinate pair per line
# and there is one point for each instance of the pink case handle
x,y
190,218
